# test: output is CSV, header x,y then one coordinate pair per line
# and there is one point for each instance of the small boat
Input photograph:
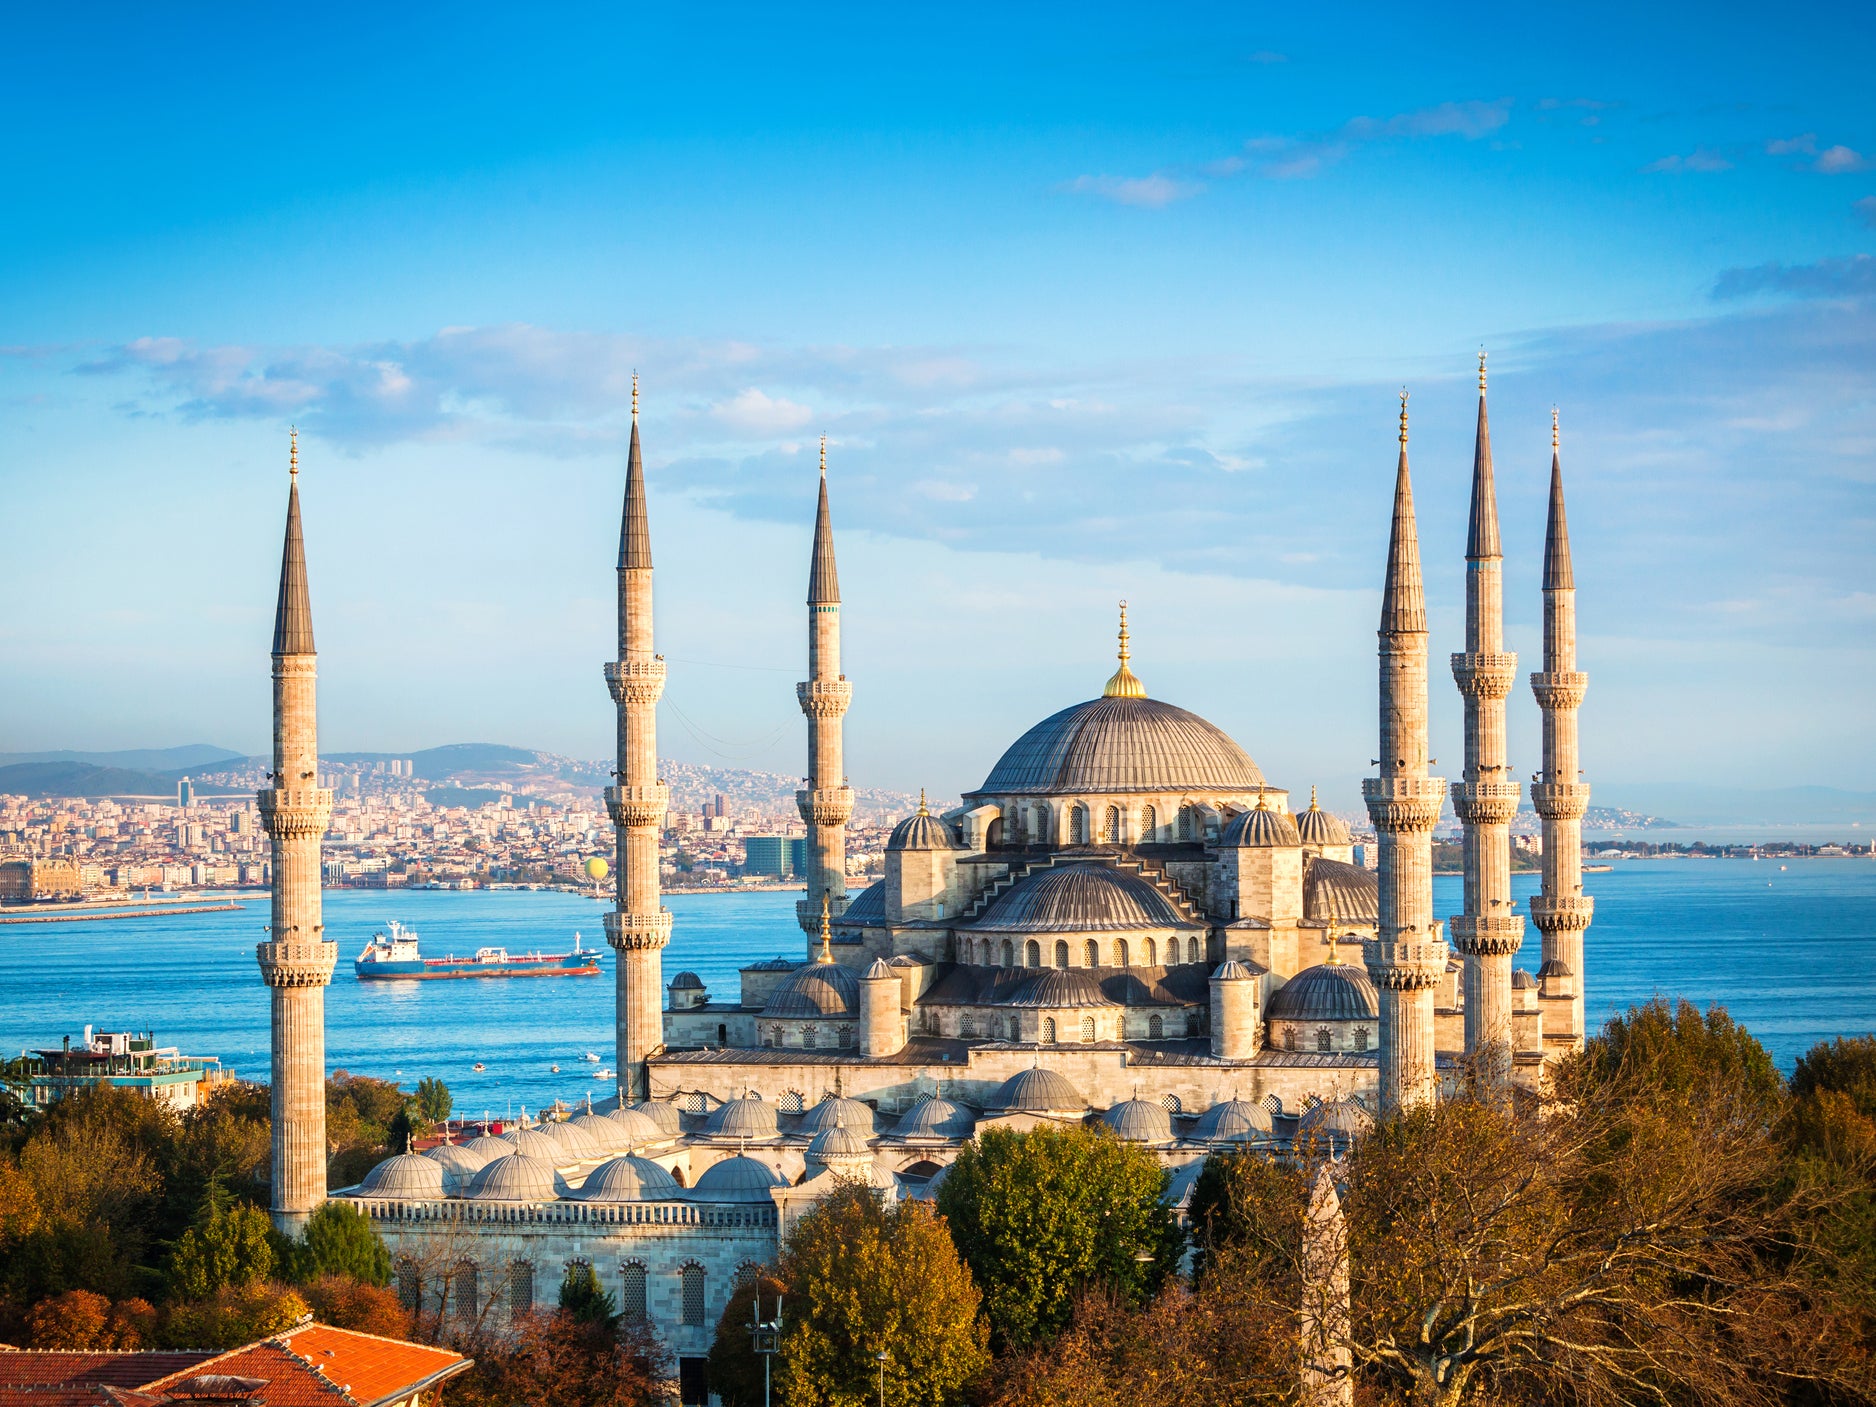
x,y
602,1074
590,1058
478,1066
553,1069
394,955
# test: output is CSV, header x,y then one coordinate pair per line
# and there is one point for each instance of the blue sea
x,y
1789,947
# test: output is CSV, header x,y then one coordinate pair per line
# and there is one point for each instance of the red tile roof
x,y
28,1368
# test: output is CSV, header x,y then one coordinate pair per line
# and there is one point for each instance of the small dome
x,y
1231,970
489,1146
1556,967
1037,1091
736,1180
580,1145
742,1118
602,1129
408,1177
536,1144
663,1113
1318,827
921,832
636,1127
517,1178
879,968
1059,987
1336,1120
460,1164
1330,991
1085,897
1261,827
628,1180
1139,1121
1522,981
816,989
837,1142
1233,1121
686,982
932,1117
833,1110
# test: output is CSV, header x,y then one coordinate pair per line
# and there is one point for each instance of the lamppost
x,y
881,1358
767,1337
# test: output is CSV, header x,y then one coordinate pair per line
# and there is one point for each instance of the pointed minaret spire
x,y
1403,598
1558,574
823,580
1482,528
635,526
293,612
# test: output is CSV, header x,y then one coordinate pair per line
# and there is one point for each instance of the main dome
x,y
1122,745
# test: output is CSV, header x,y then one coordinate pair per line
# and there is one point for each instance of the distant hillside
x,y
84,779
145,759
1743,806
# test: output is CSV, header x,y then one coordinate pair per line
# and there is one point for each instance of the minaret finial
x,y
1553,430
1124,685
1481,371
293,451
827,931
634,394
823,456
1312,798
1403,417
921,802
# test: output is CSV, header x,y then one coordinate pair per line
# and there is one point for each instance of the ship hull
x,y
440,969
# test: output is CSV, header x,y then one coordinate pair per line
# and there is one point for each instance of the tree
x,y
79,1319
1846,1066
346,1303
864,1277
736,1369
339,1240
230,1247
1658,1049
555,1360
433,1100
583,1300
402,1131
1038,1215
234,1315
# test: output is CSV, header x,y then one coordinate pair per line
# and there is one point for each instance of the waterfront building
x,y
121,1059
768,855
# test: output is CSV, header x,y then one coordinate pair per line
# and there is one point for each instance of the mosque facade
x,y
1126,924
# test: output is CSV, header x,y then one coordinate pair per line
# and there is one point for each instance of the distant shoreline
x,y
80,915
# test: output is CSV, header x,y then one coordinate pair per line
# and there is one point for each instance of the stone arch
x,y
1188,822
1061,952
1087,1030
1192,949
1155,1028
1120,952
1091,950
809,1035
1009,952
464,1289
1193,1028
924,1168
1170,1102
993,834
1032,954
1325,1042
746,1272
1045,823
1078,824
967,1026
1048,1030
1110,826
520,1289
1361,1038
1152,952
1149,826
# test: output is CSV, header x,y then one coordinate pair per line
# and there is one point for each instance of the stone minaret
x,y
827,801
1559,794
1488,933
296,960
638,926
1407,957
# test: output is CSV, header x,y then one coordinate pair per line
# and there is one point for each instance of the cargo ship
x,y
394,956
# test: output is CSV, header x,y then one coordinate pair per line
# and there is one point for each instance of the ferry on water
x,y
394,955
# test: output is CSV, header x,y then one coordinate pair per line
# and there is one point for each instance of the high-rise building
x,y
768,855
185,793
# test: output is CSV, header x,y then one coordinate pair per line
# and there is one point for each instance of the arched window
x,y
1048,1030
691,1278
1009,953
1324,1042
1172,1104
1087,1030
1093,953
1078,825
1192,1025
1192,949
1120,952
1045,828
791,1102
808,1036
409,1284
1274,1103
1155,1028
1152,953
1016,1031
1187,823
1149,826
1289,1040
520,1290
1032,953
768,1036
1110,826
993,834
846,1038
463,1291
1061,952
632,1291
1361,1038
968,1026
746,1274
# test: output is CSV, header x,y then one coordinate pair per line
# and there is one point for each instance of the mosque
x,y
1125,924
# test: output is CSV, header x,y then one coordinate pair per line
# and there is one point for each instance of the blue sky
x,y
1092,302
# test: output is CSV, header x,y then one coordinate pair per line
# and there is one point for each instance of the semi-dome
x,y
1037,1091
836,1109
921,831
578,1143
628,1179
636,1126
1336,892
1086,897
663,1113
517,1178
460,1164
1122,745
816,989
933,1117
1330,991
1319,827
1139,1121
1336,1120
1059,987
742,1118
407,1177
736,1179
536,1144
1233,1121
1261,827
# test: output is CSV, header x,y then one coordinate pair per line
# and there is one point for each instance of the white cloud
x,y
756,413
1834,161
1700,159
1149,192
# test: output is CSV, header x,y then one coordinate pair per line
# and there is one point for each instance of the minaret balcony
x,y
1560,801
1485,676
1487,935
295,964
636,681
1411,963
825,806
295,811
1560,689
1486,803
1404,804
825,698
633,807
1568,913
634,933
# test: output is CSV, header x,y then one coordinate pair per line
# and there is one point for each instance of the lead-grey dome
x,y
663,1113
1037,1091
921,831
628,1179
1233,1121
817,989
1261,827
602,1129
1139,1121
742,1118
1319,827
517,1178
407,1177
537,1144
580,1145
836,1109
636,1126
736,1179
1336,991
1337,1120
1087,897
488,1146
1335,892
1122,745
933,1117
837,1141
686,982
460,1164
1057,988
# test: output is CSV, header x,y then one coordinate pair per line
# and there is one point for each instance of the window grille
x,y
1155,1028
1032,953
1061,952
632,1291
1361,1038
1323,1040
1048,1030
409,1285
807,1037
1120,952
520,1289
692,1278
1087,1030
1093,953
463,1291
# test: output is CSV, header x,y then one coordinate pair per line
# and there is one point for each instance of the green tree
x,y
403,1130
1846,1065
582,1299
338,1240
433,1100
863,1278
736,1368
1660,1049
230,1247
234,1315
1039,1215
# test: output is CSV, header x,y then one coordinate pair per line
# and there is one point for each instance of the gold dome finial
x,y
293,451
1312,798
635,395
921,802
1553,429
1481,371
1260,799
1403,417
1334,959
827,932
1124,685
